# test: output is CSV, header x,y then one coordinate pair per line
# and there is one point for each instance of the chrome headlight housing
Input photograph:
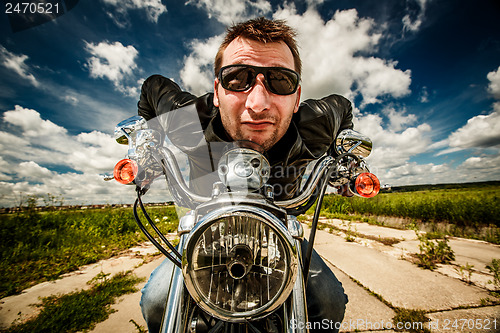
x,y
239,263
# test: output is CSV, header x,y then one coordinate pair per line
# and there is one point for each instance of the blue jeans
x,y
324,295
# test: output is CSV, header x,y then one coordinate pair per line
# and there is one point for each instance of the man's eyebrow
x,y
242,62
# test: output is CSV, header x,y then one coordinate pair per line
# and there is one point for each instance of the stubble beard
x,y
270,140
266,144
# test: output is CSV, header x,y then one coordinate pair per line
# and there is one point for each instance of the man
x,y
257,98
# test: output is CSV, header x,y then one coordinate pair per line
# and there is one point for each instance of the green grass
x,y
40,246
468,207
80,310
463,207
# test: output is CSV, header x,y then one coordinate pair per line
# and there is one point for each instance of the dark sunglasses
x,y
278,80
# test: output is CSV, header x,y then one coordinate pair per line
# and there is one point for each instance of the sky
x,y
423,76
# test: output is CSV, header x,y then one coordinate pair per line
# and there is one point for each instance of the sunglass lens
x,y
282,82
279,81
237,78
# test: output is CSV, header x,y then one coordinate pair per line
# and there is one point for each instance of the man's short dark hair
x,y
262,30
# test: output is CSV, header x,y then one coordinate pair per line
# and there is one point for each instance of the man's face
x,y
256,114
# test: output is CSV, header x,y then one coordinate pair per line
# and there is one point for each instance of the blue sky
x,y
424,77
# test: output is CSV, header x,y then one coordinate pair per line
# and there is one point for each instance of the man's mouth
x,y
258,124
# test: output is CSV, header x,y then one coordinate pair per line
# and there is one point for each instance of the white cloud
x,y
480,132
8,140
410,173
153,9
375,77
32,171
393,151
73,188
113,61
38,137
233,11
494,85
4,168
33,139
412,21
391,148
485,164
34,148
424,95
17,63
31,123
71,99
197,75
335,56
97,152
399,119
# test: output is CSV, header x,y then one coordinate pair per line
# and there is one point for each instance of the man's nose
x,y
258,98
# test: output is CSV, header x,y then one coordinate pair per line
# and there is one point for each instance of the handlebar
x,y
181,191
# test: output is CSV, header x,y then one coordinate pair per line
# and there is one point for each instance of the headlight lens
x,y
240,264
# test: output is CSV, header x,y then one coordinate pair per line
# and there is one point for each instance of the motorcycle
x,y
239,264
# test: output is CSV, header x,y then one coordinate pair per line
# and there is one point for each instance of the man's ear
x,y
216,93
297,102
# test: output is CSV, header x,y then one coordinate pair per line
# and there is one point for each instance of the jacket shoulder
x,y
319,120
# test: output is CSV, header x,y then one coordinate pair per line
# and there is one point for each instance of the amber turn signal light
x,y
125,171
367,185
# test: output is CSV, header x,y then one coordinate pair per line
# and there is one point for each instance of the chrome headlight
x,y
239,263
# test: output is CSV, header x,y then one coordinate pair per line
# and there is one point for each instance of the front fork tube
x,y
297,322
174,318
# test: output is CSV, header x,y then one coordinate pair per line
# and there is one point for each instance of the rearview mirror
x,y
127,126
350,141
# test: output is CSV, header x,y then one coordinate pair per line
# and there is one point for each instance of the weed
x,y
80,310
433,252
99,278
494,268
465,272
410,320
388,240
321,226
140,328
302,218
350,235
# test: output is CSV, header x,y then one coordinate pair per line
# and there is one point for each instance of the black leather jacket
x,y
311,133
